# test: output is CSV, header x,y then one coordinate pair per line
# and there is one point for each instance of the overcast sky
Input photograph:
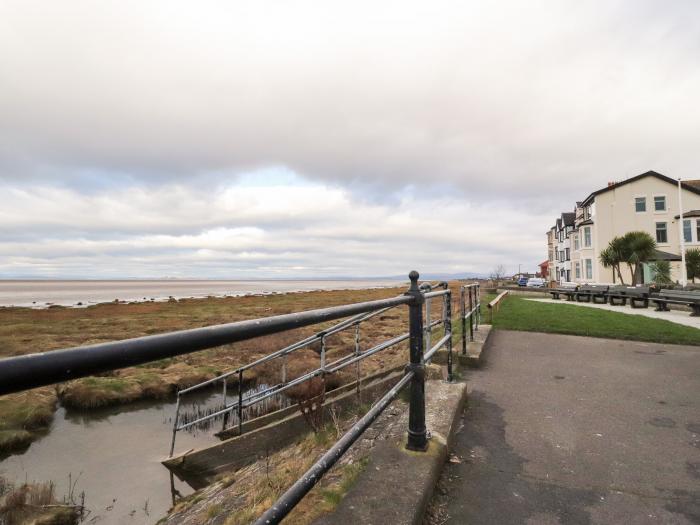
x,y
307,139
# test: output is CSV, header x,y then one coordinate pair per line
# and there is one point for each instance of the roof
x,y
568,218
665,256
694,183
545,263
586,222
687,185
691,213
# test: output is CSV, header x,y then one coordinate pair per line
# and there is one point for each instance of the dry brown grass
x,y
245,494
25,331
34,503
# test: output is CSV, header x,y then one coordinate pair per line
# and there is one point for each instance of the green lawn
x,y
517,313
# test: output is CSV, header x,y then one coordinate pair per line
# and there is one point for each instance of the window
x,y
660,203
661,233
556,254
687,231
589,269
640,204
697,230
587,237
576,244
568,255
577,270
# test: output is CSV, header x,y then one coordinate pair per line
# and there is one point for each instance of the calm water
x,y
40,294
115,454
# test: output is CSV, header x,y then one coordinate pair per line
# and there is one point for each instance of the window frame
x,y
665,198
587,236
689,222
589,268
577,269
644,201
665,231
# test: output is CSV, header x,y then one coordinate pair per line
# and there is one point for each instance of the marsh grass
x,y
24,417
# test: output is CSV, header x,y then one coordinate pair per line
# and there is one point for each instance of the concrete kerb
x,y
476,350
397,484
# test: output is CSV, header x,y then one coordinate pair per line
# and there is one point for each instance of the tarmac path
x,y
575,430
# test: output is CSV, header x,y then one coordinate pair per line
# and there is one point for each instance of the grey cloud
x,y
491,98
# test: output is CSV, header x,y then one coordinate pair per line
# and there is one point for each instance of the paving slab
x,y
397,484
675,316
574,430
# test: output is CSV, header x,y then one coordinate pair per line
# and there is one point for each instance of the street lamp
x,y
684,275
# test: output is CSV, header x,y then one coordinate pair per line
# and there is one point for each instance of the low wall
x,y
526,292
199,468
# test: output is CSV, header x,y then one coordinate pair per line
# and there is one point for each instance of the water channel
x,y
114,453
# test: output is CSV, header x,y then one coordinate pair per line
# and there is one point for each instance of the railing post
x,y
357,353
477,292
471,313
448,330
463,312
417,434
427,325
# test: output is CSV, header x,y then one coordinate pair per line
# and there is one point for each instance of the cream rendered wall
x,y
616,215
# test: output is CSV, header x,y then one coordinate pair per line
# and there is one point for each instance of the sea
x,y
83,293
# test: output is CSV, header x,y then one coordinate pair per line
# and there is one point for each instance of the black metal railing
x,y
34,370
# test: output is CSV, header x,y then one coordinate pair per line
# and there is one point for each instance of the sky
x,y
287,139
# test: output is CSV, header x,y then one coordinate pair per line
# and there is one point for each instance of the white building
x,y
647,202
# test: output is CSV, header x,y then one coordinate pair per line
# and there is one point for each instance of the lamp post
x,y
684,275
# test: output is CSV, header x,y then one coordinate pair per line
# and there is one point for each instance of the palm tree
x,y
638,248
692,263
612,257
661,270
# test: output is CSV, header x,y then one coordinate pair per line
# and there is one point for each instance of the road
x,y
575,430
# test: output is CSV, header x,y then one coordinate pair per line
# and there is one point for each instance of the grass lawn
x,y
517,313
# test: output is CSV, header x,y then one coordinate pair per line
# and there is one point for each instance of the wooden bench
x,y
684,297
638,296
595,292
568,290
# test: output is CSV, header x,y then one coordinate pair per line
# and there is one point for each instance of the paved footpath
x,y
569,430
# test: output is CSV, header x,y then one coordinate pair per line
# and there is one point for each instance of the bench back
x,y
594,288
630,290
568,286
680,294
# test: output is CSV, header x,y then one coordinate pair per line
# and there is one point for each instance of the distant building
x,y
544,270
647,202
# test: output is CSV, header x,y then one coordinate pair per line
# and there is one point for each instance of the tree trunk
x,y
619,274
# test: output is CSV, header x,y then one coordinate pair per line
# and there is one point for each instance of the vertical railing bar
x,y
448,330
471,312
428,327
463,312
225,418
477,292
240,402
357,353
177,417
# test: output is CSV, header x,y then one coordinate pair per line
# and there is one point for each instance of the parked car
x,y
522,281
536,282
